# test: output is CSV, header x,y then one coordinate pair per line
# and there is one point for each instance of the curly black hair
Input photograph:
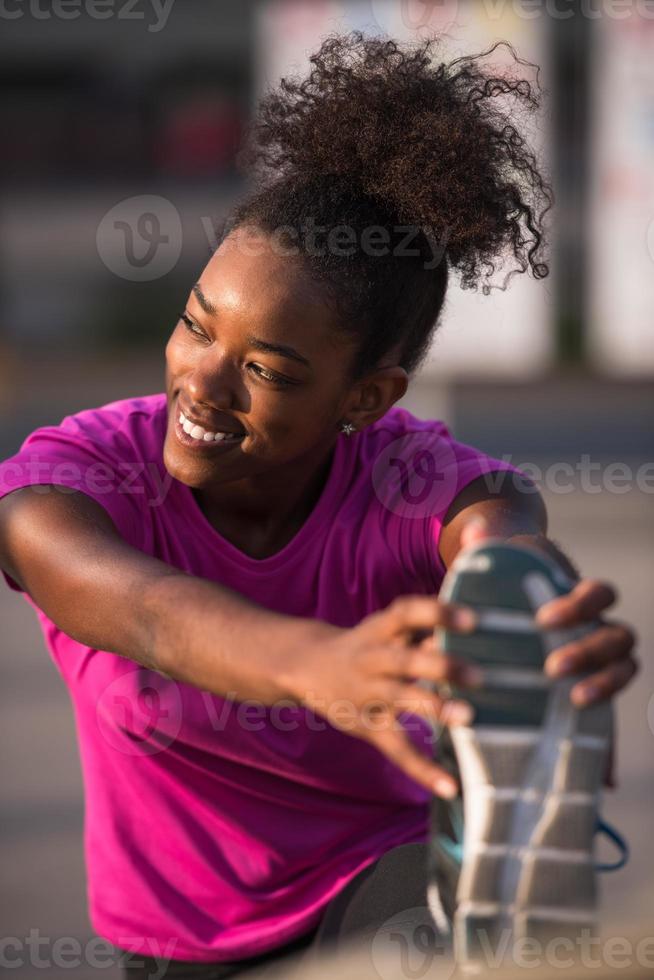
x,y
383,140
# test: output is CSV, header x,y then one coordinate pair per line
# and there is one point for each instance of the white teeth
x,y
197,432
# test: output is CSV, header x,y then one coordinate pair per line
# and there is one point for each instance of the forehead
x,y
249,277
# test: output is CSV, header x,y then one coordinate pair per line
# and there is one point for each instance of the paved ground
x,y
43,888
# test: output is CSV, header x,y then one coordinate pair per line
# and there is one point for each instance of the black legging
x,y
386,903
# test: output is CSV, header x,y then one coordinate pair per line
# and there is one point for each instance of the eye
x,y
269,376
274,379
192,327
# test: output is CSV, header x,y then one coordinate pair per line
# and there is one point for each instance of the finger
x,y
423,663
582,604
396,745
411,613
606,644
604,684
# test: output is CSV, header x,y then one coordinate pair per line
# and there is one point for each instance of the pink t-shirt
x,y
217,829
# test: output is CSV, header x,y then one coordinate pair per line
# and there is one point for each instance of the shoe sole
x,y
531,764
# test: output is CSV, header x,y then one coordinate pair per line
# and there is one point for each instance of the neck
x,y
269,505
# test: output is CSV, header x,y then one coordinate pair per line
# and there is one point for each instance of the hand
x,y
607,650
372,669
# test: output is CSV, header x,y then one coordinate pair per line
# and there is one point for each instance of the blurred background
x,y
121,124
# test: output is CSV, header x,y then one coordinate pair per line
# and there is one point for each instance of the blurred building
x,y
120,161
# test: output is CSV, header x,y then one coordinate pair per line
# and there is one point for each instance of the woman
x,y
235,590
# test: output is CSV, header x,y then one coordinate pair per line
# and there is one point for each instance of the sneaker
x,y
530,766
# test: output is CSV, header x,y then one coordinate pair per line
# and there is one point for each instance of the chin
x,y
194,473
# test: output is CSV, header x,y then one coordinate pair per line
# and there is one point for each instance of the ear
x,y
372,396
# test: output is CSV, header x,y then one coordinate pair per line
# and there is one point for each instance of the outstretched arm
x,y
65,552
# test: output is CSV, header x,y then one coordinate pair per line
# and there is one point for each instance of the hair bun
x,y
428,141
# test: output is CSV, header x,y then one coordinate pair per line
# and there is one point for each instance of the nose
x,y
213,381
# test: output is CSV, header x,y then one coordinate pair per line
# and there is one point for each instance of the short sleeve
x,y
62,460
464,465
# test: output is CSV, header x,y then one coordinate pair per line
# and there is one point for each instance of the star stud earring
x,y
348,428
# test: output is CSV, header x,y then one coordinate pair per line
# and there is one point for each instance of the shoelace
x,y
453,847
616,837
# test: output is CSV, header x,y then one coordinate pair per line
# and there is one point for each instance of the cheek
x,y
174,357
301,423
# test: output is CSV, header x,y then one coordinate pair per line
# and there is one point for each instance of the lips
x,y
218,423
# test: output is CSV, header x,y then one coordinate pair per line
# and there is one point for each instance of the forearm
x,y
213,638
512,515
65,551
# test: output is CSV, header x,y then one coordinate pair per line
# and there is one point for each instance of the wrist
x,y
294,667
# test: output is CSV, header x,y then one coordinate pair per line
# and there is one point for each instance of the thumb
x,y
474,531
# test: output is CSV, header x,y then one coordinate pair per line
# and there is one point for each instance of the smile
x,y
195,436
201,435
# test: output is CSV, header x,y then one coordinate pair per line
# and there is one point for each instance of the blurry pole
x,y
570,45
621,191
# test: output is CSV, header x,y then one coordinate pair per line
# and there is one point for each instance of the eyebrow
x,y
262,345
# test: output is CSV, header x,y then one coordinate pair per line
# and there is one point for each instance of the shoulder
x,y
400,433
399,421
423,478
112,454
131,426
419,460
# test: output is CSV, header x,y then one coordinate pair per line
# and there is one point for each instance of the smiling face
x,y
255,352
